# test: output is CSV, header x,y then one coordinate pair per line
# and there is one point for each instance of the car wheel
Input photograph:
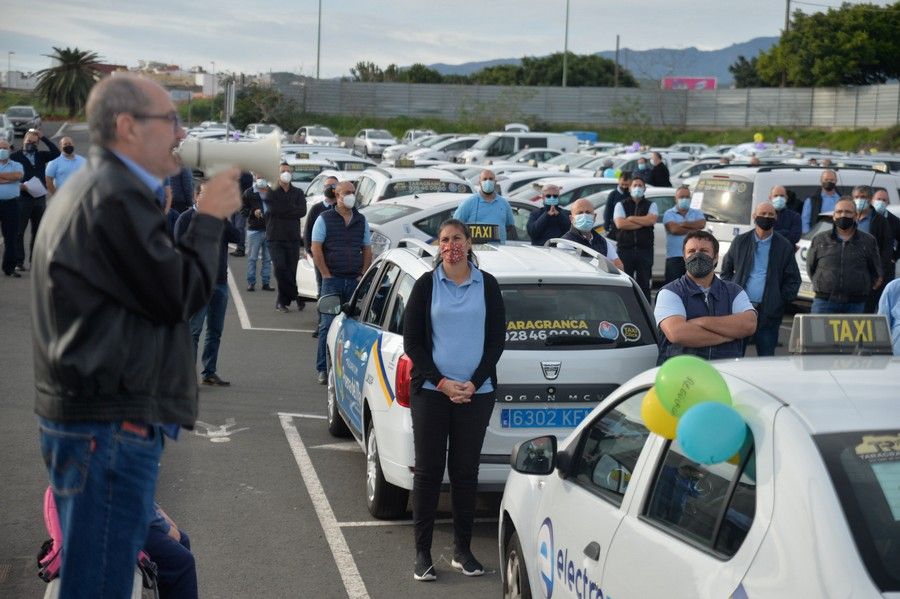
x,y
515,579
336,425
384,500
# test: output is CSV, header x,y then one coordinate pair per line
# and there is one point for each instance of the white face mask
x,y
285,177
349,200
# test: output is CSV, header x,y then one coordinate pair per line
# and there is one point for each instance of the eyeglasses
x,y
172,117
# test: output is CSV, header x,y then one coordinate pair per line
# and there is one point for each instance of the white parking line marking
x,y
353,582
346,446
366,523
244,316
295,415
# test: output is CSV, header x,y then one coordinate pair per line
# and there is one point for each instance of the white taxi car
x,y
381,183
576,329
810,507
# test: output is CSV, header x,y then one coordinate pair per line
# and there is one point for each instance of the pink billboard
x,y
689,83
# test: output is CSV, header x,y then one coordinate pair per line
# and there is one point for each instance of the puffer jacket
x,y
111,295
843,271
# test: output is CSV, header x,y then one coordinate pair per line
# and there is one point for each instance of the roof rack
x,y
418,247
583,251
800,167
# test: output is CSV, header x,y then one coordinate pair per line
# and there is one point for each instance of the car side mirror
x,y
329,304
536,456
351,310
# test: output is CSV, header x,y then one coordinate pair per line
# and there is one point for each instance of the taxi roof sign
x,y
301,155
863,334
404,163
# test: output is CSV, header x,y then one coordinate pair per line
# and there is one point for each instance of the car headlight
x,y
380,243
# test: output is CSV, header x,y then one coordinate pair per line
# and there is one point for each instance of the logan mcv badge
x,y
551,370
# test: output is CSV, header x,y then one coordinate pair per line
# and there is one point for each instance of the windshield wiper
x,y
577,340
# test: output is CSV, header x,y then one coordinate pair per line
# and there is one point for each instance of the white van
x,y
502,144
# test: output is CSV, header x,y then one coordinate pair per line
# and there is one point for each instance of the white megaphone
x,y
212,156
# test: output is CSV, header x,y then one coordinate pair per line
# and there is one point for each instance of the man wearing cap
x,y
550,221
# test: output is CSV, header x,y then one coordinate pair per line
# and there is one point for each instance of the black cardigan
x,y
417,342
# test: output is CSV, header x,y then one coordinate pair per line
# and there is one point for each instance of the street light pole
x,y
212,105
9,54
319,40
566,48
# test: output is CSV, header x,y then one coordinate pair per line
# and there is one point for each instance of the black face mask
x,y
829,186
329,193
845,222
29,147
68,149
699,265
764,222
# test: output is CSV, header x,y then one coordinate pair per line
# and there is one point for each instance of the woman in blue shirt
x,y
454,332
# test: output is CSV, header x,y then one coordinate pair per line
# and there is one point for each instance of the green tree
x,y
852,45
583,70
367,71
501,74
419,73
256,104
68,83
745,72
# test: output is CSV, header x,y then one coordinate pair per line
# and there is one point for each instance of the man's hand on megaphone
x,y
221,194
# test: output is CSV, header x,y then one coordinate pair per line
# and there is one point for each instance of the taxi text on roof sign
x,y
484,233
840,334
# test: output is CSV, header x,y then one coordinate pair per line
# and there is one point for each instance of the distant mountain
x,y
653,64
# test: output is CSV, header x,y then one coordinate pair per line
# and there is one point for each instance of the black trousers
x,y
674,269
638,263
30,210
285,255
9,224
437,420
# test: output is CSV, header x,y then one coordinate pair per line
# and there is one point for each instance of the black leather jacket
x,y
111,295
843,271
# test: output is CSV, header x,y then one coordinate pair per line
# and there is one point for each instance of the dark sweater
x,y
41,159
286,208
232,235
314,212
418,344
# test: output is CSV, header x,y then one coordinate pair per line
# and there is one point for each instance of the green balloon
x,y
684,381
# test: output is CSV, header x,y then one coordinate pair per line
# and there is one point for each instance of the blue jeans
x,y
824,306
766,340
330,286
176,569
240,223
103,479
213,314
256,244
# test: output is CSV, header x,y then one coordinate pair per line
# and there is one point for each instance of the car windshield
x,y
724,200
306,173
380,213
568,159
865,472
379,134
265,128
19,112
579,316
320,131
405,188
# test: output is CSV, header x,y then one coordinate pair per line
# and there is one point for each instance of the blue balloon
x,y
711,432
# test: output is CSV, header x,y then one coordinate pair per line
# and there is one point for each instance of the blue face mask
x,y
637,192
4,154
642,166
584,222
860,204
879,206
779,202
487,186
551,200
684,203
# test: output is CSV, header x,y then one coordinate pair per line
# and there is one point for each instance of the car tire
x,y
336,425
515,578
384,500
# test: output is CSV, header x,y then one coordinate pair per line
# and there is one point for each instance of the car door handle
x,y
593,551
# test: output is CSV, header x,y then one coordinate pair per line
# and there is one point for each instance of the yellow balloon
x,y
758,137
656,417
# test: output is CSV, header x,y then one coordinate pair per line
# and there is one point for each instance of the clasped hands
x,y
457,391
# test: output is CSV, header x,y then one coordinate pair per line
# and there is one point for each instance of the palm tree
x,y
68,83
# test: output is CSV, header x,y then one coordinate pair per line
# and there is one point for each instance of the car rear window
x,y
17,112
547,316
378,214
865,471
405,188
723,199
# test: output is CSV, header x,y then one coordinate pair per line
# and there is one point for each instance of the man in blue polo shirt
x,y
679,220
487,207
61,168
10,178
823,201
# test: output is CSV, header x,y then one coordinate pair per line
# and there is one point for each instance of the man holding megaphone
x,y
113,355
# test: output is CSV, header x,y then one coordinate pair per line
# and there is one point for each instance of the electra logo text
x,y
564,572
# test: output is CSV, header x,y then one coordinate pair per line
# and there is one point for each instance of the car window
x,y
541,317
316,187
376,308
362,290
405,188
663,203
365,190
504,145
304,173
401,298
383,212
430,225
520,215
707,505
570,196
609,450
533,142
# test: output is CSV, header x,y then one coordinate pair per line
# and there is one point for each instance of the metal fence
x,y
873,106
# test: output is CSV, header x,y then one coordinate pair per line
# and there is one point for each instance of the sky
x,y
277,35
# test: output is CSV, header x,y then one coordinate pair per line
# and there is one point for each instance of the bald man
x,y
550,221
824,201
60,169
487,207
762,263
787,221
582,231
